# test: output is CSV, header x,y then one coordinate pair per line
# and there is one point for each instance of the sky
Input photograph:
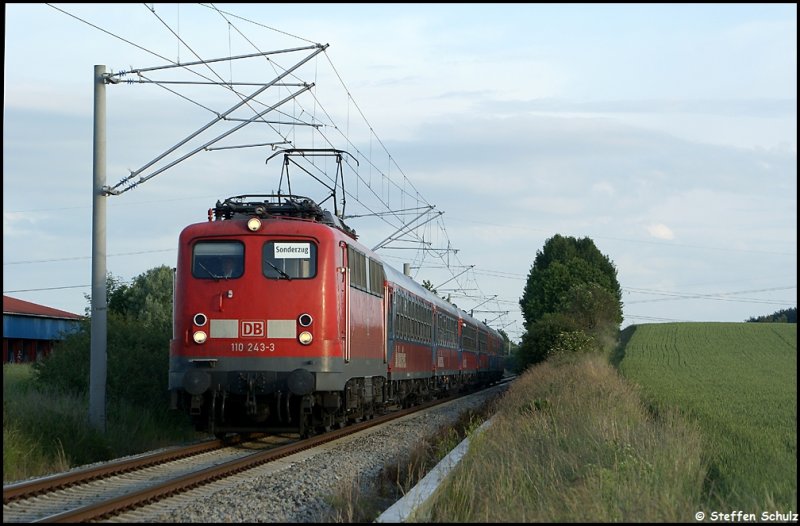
x,y
666,133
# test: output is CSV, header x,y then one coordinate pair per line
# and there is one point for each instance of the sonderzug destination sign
x,y
292,250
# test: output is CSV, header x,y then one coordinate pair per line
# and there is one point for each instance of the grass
x,y
46,432
572,442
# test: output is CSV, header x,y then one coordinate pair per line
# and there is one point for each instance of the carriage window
x,y
290,259
218,260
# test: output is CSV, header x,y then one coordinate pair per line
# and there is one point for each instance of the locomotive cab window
x,y
218,260
290,260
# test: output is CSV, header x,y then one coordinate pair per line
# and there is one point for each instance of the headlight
x,y
305,320
199,337
305,337
253,224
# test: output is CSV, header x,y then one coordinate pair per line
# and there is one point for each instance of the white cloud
x,y
660,231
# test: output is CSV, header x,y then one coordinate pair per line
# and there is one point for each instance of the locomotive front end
x,y
255,321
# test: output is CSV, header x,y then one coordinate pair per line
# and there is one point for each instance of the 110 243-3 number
x,y
252,347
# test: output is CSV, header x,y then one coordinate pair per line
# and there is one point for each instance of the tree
x,y
780,316
563,263
595,310
555,333
139,331
572,300
148,300
428,285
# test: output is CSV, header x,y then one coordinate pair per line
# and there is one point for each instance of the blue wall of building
x,y
36,327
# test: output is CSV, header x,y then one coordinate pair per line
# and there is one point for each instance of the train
x,y
283,321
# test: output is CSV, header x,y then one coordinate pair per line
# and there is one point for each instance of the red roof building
x,y
30,329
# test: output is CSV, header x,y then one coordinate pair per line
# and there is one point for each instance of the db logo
x,y
253,329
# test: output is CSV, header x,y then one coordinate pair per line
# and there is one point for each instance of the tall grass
x,y
24,456
47,431
572,442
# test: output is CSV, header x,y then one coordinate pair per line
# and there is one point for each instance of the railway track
x,y
100,492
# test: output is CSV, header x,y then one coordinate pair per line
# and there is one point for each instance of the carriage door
x,y
343,293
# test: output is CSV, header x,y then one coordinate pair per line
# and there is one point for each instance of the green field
x,y
738,381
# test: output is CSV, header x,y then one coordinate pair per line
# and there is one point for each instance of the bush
x,y
137,349
137,364
552,332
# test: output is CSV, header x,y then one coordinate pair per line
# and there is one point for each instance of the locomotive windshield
x,y
290,259
218,260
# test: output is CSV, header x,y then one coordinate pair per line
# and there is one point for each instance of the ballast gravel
x,y
301,488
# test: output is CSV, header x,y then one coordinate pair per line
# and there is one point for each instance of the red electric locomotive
x,y
283,321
